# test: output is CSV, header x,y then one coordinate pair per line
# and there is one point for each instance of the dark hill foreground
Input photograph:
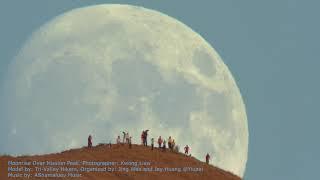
x,y
58,164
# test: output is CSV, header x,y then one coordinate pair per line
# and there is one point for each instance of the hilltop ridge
x,y
139,162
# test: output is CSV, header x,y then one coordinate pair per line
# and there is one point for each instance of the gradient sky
x,y
270,48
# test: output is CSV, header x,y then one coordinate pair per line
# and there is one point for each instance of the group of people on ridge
x,y
162,143
125,139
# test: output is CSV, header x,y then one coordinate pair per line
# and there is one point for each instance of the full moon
x,y
105,69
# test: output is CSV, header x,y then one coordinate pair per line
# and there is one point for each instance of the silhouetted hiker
x,y
127,137
130,142
164,145
152,143
186,150
173,144
170,143
144,137
118,140
124,136
109,144
207,158
89,141
160,141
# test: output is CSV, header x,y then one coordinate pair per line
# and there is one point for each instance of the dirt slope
x,y
117,154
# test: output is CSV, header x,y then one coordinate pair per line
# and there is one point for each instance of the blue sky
x,y
270,47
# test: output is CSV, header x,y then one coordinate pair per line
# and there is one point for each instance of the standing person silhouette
x,y
170,143
130,142
173,144
186,150
89,141
152,143
118,140
142,137
127,137
207,158
124,137
160,141
146,137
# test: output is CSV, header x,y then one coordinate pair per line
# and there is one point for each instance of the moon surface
x,y
107,68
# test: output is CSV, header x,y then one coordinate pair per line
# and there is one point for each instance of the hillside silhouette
x,y
119,153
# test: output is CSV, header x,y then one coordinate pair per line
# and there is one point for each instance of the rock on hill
x,y
137,163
